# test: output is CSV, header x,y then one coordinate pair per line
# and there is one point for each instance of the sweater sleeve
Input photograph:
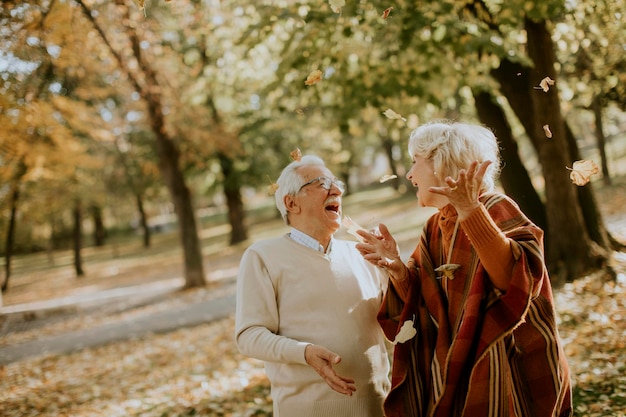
x,y
492,246
256,315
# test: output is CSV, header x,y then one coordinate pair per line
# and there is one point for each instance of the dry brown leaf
x,y
545,84
387,177
547,131
582,171
386,12
271,189
390,114
296,154
407,332
448,270
314,77
352,227
336,5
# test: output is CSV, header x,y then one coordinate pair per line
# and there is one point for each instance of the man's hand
x,y
322,360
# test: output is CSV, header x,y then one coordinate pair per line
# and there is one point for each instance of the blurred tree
x,y
144,79
590,43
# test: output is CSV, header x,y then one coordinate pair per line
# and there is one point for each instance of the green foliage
x,y
232,77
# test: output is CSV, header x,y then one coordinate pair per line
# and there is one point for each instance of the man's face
x,y
316,210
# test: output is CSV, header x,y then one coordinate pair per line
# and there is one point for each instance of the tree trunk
x,y
99,232
570,251
596,106
232,186
167,151
388,145
143,220
514,177
588,204
516,86
78,230
181,197
232,192
10,237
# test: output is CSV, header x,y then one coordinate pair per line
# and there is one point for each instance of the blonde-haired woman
x,y
475,291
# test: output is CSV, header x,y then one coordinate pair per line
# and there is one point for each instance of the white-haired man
x,y
307,305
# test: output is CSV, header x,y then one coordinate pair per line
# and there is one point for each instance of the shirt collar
x,y
306,240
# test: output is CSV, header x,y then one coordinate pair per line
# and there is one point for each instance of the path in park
x,y
171,317
116,300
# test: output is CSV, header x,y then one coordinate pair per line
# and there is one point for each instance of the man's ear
x,y
291,204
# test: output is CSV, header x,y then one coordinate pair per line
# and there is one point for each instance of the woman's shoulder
x,y
504,210
494,199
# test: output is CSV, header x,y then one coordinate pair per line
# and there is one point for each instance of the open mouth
x,y
333,206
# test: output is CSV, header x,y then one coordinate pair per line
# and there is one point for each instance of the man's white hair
x,y
290,181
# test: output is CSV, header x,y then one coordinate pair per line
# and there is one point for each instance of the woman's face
x,y
422,175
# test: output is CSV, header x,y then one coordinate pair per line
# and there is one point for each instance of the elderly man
x,y
307,305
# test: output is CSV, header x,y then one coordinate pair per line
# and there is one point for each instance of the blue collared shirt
x,y
306,240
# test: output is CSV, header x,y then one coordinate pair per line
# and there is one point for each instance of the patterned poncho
x,y
478,352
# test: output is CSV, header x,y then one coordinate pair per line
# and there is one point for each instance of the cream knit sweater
x,y
288,296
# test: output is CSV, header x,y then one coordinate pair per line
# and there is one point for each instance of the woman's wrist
x,y
399,275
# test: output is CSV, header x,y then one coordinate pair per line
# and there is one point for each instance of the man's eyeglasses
x,y
326,183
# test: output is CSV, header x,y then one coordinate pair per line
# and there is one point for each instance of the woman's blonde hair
x,y
453,146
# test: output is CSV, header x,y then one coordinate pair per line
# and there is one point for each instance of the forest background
x,y
122,120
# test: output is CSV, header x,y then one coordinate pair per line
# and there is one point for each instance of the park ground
x,y
197,371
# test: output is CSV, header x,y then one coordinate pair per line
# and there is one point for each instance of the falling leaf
x,y
386,12
142,6
387,177
352,227
448,270
582,171
271,189
296,154
314,77
545,84
547,131
407,332
336,5
390,114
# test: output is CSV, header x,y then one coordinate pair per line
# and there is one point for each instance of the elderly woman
x,y
471,314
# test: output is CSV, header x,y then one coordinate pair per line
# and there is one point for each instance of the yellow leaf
x,y
448,270
390,114
352,227
296,154
271,189
545,84
547,131
582,171
407,332
387,177
336,5
386,12
314,77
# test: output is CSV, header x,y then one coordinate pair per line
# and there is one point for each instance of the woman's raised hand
x,y
463,192
381,249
